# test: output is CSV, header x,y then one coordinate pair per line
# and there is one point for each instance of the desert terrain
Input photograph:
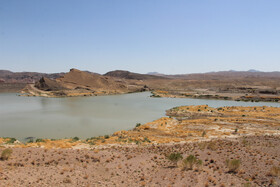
x,y
139,165
81,83
147,93
193,146
250,85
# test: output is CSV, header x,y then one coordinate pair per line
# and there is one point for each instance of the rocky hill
x,y
130,75
81,83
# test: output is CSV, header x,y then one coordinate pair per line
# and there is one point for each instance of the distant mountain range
x,y
130,75
25,77
31,77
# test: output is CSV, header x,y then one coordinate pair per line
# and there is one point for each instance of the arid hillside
x,y
81,83
240,86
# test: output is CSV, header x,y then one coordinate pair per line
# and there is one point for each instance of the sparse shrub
x,y
40,140
233,165
190,161
137,142
245,142
11,140
202,145
138,125
174,157
106,136
247,184
203,134
274,171
75,139
147,140
6,153
212,146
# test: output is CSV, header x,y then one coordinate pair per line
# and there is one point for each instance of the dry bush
x,y
212,146
6,153
189,163
174,157
274,171
202,145
233,165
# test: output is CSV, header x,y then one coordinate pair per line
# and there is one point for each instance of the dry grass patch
x,y
189,163
233,165
6,154
274,171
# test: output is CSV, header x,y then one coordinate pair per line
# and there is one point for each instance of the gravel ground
x,y
146,165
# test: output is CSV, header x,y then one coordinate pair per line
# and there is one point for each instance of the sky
x,y
166,36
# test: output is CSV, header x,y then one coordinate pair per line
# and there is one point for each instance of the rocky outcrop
x,y
81,83
48,85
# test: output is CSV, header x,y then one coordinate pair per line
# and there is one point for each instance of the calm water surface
x,y
22,117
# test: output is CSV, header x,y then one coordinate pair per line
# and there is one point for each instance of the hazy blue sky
x,y
168,36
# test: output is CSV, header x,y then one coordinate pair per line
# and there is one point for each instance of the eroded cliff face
x,y
80,83
47,84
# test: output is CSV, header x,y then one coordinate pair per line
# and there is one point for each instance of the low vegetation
x,y
189,163
40,140
6,154
75,139
274,171
152,165
233,165
106,136
11,140
138,125
174,157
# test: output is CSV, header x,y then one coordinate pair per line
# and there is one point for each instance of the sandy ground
x,y
146,165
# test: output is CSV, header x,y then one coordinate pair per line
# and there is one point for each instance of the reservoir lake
x,y
84,117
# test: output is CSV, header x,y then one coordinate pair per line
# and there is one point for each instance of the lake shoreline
x,y
183,124
144,155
